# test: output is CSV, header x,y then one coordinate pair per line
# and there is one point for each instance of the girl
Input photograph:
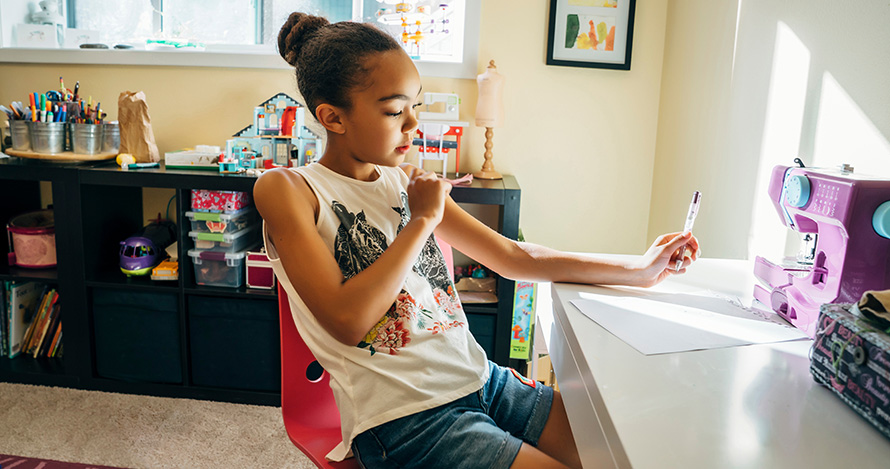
x,y
351,240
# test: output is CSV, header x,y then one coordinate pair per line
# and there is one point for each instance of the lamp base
x,y
482,174
487,171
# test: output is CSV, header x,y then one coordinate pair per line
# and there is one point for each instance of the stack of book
x,y
31,323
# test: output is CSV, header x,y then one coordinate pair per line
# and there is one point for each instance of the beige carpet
x,y
139,431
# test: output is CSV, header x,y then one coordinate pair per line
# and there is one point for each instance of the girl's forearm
x,y
533,262
363,299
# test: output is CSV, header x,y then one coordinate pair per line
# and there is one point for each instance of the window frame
x,y
234,56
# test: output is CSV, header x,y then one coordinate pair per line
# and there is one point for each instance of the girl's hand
x,y
426,195
660,259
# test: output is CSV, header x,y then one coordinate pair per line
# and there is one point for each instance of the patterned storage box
x,y
853,360
219,201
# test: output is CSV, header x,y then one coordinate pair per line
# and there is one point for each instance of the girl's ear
x,y
330,117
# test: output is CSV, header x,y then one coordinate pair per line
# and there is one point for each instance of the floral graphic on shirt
x,y
448,301
439,326
390,333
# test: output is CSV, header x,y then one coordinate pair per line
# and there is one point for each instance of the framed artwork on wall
x,y
591,33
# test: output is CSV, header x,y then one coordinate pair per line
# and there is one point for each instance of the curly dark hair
x,y
329,58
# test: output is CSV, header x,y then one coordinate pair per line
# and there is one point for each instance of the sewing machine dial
x,y
797,190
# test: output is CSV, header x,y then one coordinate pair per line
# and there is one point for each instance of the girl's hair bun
x,y
296,32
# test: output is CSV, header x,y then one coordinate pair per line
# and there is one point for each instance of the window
x,y
440,35
429,30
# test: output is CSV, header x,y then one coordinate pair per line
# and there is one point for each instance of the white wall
x,y
748,84
580,141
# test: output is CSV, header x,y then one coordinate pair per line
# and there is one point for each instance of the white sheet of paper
x,y
675,322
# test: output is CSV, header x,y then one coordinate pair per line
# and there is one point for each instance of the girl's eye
x,y
397,114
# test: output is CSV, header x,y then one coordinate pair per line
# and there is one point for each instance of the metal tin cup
x,y
21,137
112,141
47,137
86,139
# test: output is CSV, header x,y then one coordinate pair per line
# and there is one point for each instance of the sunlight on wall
x,y
844,134
735,36
781,137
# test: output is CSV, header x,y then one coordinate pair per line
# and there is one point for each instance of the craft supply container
x,y
219,269
47,137
21,136
111,143
32,237
228,223
225,242
86,139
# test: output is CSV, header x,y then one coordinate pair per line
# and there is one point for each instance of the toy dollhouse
x,y
277,137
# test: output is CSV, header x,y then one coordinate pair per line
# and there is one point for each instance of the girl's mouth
x,y
403,149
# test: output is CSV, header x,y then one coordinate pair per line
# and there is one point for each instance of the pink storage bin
x,y
205,200
259,270
32,240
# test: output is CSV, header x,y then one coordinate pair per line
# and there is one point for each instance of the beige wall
x,y
581,142
804,78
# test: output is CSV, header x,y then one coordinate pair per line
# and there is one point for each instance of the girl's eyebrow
x,y
403,97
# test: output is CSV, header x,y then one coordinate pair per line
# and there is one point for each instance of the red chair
x,y
310,415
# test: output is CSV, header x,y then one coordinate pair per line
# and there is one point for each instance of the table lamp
x,y
489,114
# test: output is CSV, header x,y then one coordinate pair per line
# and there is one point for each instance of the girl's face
x,y
380,125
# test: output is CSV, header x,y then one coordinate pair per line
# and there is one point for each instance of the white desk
x,y
753,407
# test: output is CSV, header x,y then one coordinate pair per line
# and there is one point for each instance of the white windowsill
x,y
188,58
205,58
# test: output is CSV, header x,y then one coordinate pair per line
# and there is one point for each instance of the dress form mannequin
x,y
489,114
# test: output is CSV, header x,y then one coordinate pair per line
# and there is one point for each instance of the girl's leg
x,y
530,457
556,440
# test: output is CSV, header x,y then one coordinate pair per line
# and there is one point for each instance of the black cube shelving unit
x,y
98,205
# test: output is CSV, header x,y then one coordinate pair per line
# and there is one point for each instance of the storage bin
x,y
86,139
259,270
137,336
32,237
47,137
225,242
21,137
111,142
218,269
230,223
234,343
219,201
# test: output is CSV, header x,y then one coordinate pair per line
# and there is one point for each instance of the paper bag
x,y
137,137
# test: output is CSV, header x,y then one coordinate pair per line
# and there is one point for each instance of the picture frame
x,y
591,33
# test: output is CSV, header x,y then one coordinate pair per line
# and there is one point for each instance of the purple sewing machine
x,y
847,221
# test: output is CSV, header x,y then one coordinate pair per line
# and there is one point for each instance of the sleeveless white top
x,y
421,354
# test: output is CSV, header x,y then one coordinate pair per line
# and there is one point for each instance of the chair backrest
x,y
304,393
310,414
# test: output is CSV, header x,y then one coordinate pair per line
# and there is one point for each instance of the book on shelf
x,y
4,324
36,317
53,346
40,324
40,343
22,300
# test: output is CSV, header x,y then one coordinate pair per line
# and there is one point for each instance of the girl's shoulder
x,y
280,187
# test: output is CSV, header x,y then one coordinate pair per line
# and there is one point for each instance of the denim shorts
x,y
481,430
